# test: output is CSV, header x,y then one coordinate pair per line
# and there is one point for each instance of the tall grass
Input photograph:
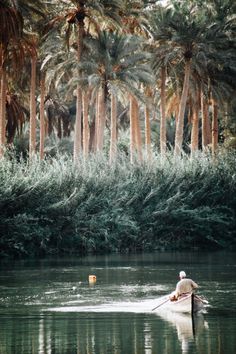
x,y
55,207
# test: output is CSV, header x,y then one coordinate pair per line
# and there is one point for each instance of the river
x,y
48,306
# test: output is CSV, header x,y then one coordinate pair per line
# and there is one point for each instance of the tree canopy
x,y
181,52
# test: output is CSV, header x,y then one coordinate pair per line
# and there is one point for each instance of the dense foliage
x,y
53,207
135,61
116,77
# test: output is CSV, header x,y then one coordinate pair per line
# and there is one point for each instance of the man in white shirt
x,y
184,286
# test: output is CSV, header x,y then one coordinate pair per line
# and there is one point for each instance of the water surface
x,y
48,306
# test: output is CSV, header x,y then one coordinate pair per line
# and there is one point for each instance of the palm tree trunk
x,y
3,90
42,117
101,119
195,129
113,142
138,137
132,129
103,116
205,122
78,117
32,138
208,123
180,119
163,112
225,115
96,123
148,134
85,124
98,120
214,128
92,135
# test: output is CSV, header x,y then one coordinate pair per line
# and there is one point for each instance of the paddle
x,y
204,301
160,304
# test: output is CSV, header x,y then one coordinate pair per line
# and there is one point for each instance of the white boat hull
x,y
188,303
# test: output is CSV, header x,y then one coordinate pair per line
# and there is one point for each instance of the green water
x,y
48,306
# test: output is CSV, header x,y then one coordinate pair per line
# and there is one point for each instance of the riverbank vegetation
x,y
52,207
105,107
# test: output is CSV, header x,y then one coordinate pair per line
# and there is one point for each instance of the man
x,y
184,286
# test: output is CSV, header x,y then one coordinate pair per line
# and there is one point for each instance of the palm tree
x,y
188,35
165,59
20,53
16,45
34,14
11,26
213,69
62,76
222,60
32,137
82,17
117,67
182,38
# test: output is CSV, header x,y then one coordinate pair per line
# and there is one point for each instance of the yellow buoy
x,y
92,278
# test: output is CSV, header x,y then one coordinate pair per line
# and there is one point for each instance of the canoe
x,y
187,303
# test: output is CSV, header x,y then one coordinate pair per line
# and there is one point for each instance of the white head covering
x,y
182,274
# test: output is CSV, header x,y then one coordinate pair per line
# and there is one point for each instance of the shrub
x,y
55,207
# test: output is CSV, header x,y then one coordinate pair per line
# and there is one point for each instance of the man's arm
x,y
194,285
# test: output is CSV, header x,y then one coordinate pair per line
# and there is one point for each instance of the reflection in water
x,y
45,337
188,327
147,339
97,332
186,333
41,336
